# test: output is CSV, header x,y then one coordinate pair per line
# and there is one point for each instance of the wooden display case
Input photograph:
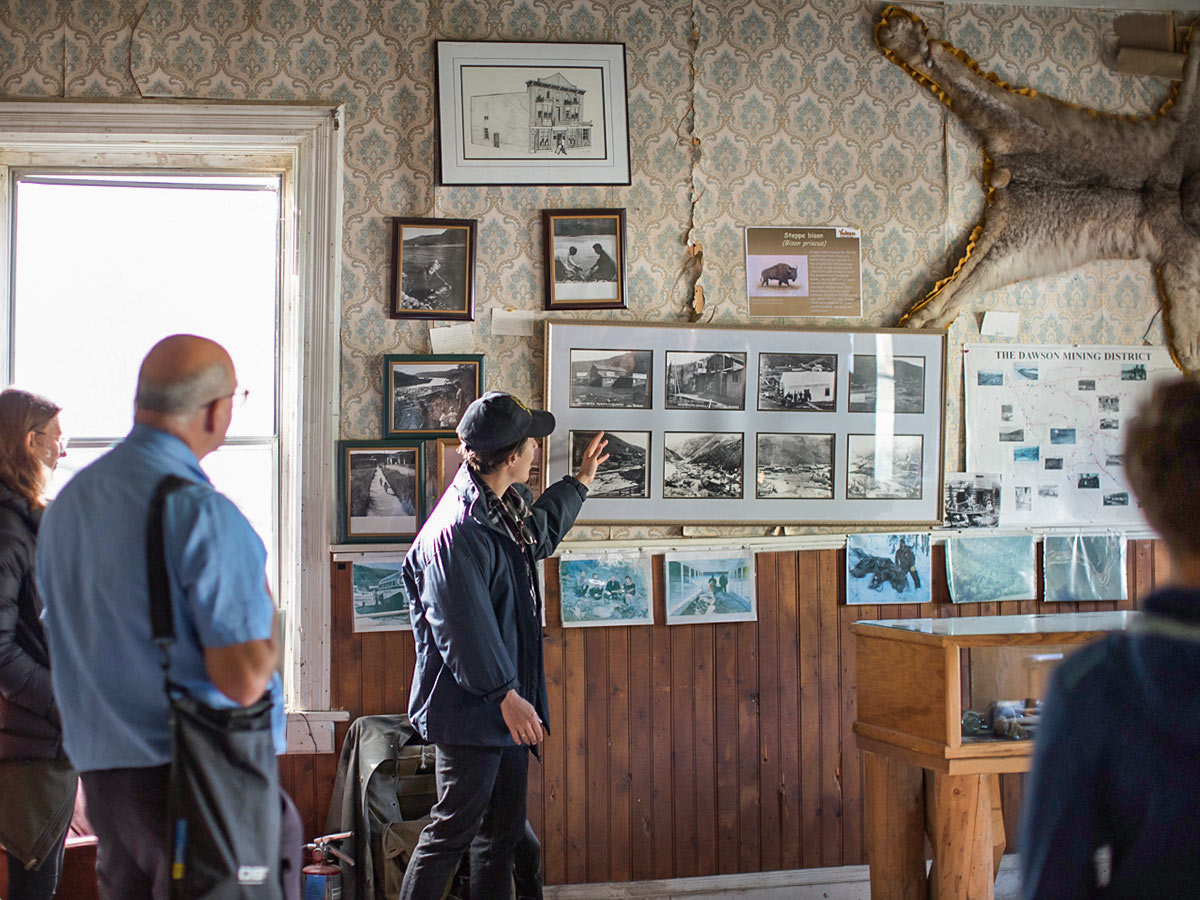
x,y
916,677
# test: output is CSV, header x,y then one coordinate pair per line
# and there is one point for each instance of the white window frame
x,y
304,144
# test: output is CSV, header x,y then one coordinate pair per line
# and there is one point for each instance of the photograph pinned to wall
x,y
991,569
794,466
972,501
380,600
605,589
584,256
887,383
1084,567
887,568
710,586
433,269
797,381
703,465
627,471
699,380
610,379
803,271
382,490
532,113
884,466
426,395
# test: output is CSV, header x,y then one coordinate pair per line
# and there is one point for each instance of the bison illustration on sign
x,y
780,272
1065,185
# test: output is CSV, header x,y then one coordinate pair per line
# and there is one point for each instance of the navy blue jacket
x,y
476,613
1117,764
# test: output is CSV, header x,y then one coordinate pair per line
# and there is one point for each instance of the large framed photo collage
x,y
715,425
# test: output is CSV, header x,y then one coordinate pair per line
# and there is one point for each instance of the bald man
x,y
91,566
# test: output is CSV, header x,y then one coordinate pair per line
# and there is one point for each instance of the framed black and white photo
x,y
433,269
797,381
584,252
615,378
703,380
750,425
532,113
382,490
426,395
627,472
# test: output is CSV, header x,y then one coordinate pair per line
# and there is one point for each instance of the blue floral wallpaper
x,y
741,112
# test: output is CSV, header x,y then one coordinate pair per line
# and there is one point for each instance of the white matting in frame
x,y
836,426
710,586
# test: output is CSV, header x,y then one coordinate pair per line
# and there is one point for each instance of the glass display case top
x,y
1050,623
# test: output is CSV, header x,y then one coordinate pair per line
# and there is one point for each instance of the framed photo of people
x,y
541,113
382,490
433,269
426,394
710,424
585,258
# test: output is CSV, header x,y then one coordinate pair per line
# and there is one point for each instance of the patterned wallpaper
x,y
740,111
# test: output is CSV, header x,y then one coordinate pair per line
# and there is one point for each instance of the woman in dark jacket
x,y
36,781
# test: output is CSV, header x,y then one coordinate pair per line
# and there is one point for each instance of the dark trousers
x,y
480,807
39,883
128,811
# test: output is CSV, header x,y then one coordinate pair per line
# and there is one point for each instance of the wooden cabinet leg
x,y
999,839
958,810
895,829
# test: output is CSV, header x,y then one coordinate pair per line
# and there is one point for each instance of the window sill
x,y
312,731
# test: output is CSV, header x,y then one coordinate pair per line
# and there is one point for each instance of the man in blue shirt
x,y
91,567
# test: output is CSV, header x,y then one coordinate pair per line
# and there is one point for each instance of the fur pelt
x,y
1066,184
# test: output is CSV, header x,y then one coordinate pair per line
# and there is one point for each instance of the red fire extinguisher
x,y
322,877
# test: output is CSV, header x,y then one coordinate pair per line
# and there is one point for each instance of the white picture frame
x,y
794,452
532,113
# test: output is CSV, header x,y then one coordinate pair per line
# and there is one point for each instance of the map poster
x,y
801,271
1050,419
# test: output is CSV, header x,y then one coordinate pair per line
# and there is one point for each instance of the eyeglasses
x,y
60,441
237,398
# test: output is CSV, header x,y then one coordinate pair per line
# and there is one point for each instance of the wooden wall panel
x,y
693,750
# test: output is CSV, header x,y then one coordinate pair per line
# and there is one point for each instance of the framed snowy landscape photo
x,y
711,425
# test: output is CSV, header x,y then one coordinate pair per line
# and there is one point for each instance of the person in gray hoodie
x,y
1110,807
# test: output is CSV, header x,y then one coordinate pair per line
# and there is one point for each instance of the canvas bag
x,y
223,809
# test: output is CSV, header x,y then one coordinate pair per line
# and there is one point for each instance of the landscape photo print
x,y
429,393
382,497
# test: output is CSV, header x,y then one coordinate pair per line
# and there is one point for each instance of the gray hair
x,y
183,394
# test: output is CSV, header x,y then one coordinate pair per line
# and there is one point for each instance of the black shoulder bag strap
x,y
223,800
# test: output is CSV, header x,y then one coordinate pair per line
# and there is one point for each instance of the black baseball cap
x,y
498,420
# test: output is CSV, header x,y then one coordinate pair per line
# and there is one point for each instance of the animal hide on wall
x,y
1066,184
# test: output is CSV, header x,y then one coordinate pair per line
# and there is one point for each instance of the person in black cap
x,y
479,689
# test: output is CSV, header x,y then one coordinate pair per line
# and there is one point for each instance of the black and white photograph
x,y
1016,435
1114,459
895,384
705,380
1048,490
1026,373
884,466
1053,462
1133,372
1088,481
1108,404
433,269
626,473
584,251
380,600
1087,384
1024,498
427,394
1118,498
381,495
1110,424
702,465
532,113
794,466
610,379
972,501
1006,412
990,379
797,381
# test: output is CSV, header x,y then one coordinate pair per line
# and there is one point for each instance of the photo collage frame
x,y
722,425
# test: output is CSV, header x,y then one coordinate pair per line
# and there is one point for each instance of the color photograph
x,y
887,568
991,569
606,589
710,586
1084,567
380,601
